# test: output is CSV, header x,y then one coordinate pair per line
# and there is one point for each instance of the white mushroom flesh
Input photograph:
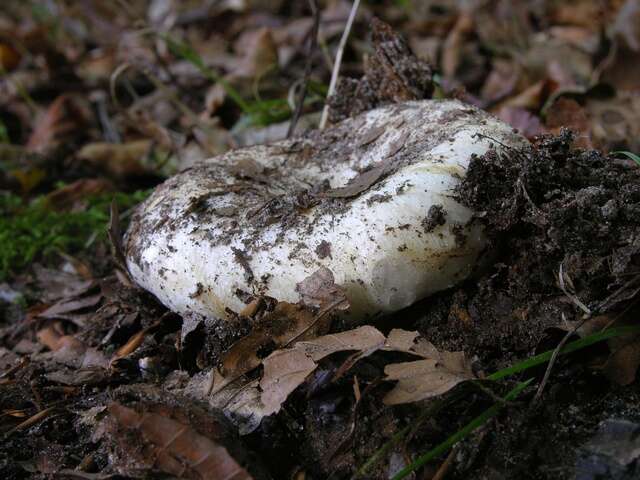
x,y
260,220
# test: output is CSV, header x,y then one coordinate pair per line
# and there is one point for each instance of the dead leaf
x,y
119,161
427,378
405,341
9,57
566,112
320,290
622,365
259,54
70,196
56,284
286,322
177,448
285,370
501,82
451,50
65,115
359,184
532,97
52,336
626,26
65,307
615,122
135,341
522,120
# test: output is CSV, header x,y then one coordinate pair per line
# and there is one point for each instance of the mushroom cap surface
x,y
372,199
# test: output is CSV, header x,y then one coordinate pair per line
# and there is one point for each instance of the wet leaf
x,y
176,448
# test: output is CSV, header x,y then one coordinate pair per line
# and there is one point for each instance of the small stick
x,y
336,65
311,46
553,359
32,420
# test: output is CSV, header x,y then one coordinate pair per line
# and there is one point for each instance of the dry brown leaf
x,y
359,184
585,13
426,378
53,337
65,115
320,290
259,54
501,82
70,196
524,121
69,308
248,401
9,57
615,122
405,341
568,113
626,26
622,365
285,370
451,51
286,323
532,97
176,448
623,361
116,160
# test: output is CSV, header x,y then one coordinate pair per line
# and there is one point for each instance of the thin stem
x,y
462,433
336,66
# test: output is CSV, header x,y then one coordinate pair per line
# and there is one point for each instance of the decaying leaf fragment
x,y
248,401
285,370
284,324
426,378
176,448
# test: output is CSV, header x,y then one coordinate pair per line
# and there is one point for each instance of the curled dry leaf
x,y
320,290
286,323
426,378
65,115
285,370
176,448
248,401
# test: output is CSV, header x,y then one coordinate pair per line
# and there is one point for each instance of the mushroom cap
x,y
372,199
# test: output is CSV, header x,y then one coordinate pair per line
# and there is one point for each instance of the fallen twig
x,y
336,65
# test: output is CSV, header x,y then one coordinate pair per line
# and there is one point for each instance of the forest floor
x,y
102,101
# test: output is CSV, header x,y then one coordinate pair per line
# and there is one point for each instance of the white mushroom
x,y
371,199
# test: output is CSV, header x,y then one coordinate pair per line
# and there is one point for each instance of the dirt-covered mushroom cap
x,y
372,199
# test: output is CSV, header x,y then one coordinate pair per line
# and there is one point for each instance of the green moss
x,y
33,231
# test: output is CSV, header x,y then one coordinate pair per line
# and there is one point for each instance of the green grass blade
x,y
500,374
631,155
570,347
186,52
462,433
